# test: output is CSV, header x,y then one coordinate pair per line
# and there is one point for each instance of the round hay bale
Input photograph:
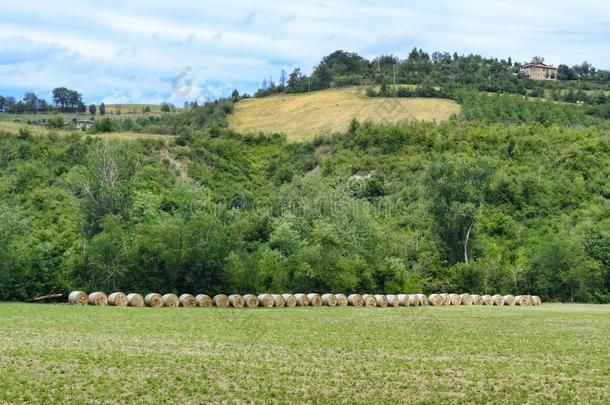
x,y
314,299
435,300
78,298
446,300
329,300
265,300
135,300
187,301
487,300
204,300
236,301
423,300
302,299
381,300
369,300
170,300
341,300
465,299
278,301
117,299
392,300
528,300
536,300
413,300
508,299
521,300
498,300
250,301
97,298
220,301
403,300
455,299
290,300
355,300
153,300
476,299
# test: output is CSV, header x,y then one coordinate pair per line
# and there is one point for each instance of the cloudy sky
x,y
135,51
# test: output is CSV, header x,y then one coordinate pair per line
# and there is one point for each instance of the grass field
x,y
66,354
38,130
301,116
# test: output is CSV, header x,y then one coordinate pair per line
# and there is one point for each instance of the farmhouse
x,y
539,71
83,124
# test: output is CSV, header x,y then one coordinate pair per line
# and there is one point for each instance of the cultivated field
x,y
14,127
301,116
72,354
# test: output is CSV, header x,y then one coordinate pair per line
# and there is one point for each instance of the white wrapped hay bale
x,y
204,300
170,300
369,300
314,299
392,300
290,300
487,300
521,300
220,301
265,300
236,301
153,300
135,300
498,300
278,301
250,301
98,298
435,300
329,300
117,299
476,299
187,301
341,300
465,299
422,299
508,299
302,299
355,300
454,299
381,300
536,300
78,298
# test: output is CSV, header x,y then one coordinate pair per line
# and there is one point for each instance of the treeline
x,y
438,69
459,206
64,100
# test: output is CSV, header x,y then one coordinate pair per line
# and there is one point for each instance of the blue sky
x,y
136,51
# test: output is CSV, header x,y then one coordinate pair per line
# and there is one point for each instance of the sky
x,y
142,52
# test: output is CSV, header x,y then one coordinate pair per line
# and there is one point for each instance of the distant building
x,y
83,124
539,71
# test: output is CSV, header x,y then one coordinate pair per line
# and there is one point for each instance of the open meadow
x,y
61,353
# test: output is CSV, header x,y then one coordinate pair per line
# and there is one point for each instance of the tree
x,y
165,107
537,60
92,109
31,102
146,109
102,109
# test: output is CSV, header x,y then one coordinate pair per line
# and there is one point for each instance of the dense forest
x,y
472,204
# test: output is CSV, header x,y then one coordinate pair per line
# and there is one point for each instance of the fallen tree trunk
x,y
45,297
250,301
153,300
98,298
203,300
341,300
170,300
135,300
220,301
78,298
314,299
117,299
355,300
302,299
236,301
187,301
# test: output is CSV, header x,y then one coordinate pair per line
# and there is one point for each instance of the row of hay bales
x,y
155,300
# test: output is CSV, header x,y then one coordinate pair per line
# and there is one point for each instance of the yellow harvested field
x,y
301,116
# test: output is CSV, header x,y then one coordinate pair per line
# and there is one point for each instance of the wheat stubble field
x,y
71,354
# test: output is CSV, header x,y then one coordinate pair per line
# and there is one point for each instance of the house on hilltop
x,y
538,71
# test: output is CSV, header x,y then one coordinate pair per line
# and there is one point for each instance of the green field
x,y
60,353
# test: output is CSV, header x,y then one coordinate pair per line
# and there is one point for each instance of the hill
x,y
301,116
